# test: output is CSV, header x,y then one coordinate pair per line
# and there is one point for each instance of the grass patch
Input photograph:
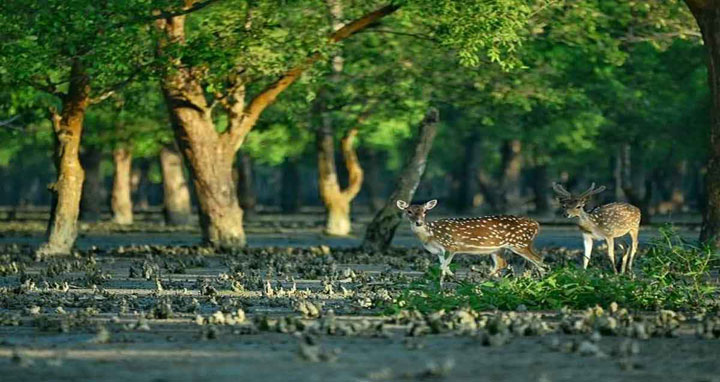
x,y
670,274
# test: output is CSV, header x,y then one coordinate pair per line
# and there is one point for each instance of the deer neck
x,y
423,232
586,223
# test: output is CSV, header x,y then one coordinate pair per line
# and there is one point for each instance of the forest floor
x,y
298,306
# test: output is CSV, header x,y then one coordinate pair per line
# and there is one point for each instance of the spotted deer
x,y
477,236
605,222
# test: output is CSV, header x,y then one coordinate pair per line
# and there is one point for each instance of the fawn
x,y
477,236
605,222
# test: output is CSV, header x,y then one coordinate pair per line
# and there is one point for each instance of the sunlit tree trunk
x,y
121,201
707,15
67,189
380,231
209,154
337,201
209,157
176,194
93,194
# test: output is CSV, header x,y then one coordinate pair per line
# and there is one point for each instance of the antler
x,y
561,190
591,191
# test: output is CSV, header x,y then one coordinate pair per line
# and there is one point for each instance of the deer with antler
x,y
478,236
606,222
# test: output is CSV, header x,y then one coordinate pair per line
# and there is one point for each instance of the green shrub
x,y
680,268
673,274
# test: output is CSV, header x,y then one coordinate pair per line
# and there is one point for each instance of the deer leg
x,y
588,245
445,264
499,263
441,258
625,256
530,255
611,252
633,249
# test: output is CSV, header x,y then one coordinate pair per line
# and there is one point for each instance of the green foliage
x,y
595,74
29,131
478,30
41,39
571,79
272,144
112,41
675,275
135,118
681,268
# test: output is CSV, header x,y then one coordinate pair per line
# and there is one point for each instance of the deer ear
x,y
599,190
431,204
401,204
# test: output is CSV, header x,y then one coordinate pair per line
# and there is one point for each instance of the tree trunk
x,y
617,174
290,199
707,15
380,231
466,176
211,162
373,182
503,194
337,209
512,170
491,190
176,194
210,154
677,197
67,189
140,184
636,187
337,201
93,193
220,214
121,201
541,190
246,193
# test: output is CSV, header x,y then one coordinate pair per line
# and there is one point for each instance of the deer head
x,y
416,212
573,204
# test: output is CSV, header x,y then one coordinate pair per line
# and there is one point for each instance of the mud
x,y
301,307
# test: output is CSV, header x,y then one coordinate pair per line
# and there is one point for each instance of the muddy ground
x,y
128,307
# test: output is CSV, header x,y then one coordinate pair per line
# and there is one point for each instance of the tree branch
x,y
8,123
111,90
267,96
659,36
352,164
418,36
50,87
